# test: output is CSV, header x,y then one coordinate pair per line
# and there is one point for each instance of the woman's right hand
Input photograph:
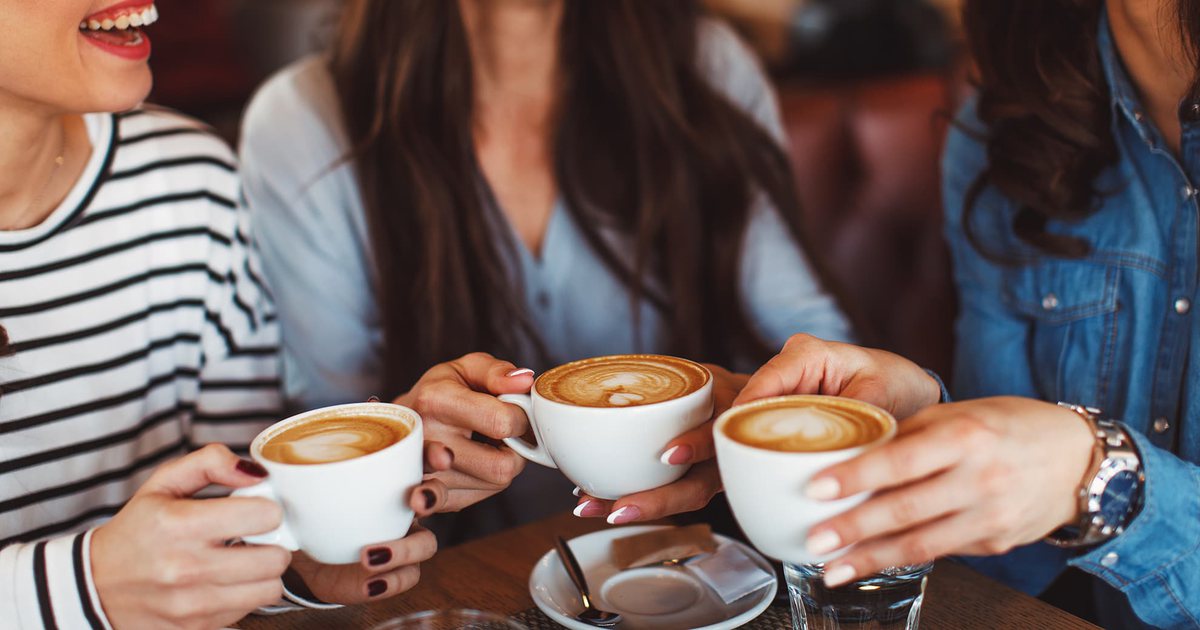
x,y
161,562
458,398
808,365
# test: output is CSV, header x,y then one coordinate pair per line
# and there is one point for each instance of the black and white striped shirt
x,y
141,329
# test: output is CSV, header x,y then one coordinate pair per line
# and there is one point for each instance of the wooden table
x,y
492,573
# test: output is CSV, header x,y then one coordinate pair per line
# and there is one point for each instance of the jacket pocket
x,y
1072,310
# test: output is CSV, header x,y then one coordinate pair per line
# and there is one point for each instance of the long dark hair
x,y
1046,105
643,145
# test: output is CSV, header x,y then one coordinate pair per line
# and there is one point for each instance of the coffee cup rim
x,y
705,387
384,410
723,419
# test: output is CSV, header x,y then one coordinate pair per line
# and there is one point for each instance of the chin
x,y
123,95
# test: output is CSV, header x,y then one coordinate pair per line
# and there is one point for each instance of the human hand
x,y
161,562
808,365
970,478
458,398
692,491
385,569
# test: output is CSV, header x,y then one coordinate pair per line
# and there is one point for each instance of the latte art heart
x,y
621,381
806,427
326,440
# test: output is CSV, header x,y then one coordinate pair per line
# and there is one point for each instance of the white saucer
x,y
655,597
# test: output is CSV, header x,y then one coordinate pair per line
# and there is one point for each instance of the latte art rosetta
x,y
621,381
326,440
805,427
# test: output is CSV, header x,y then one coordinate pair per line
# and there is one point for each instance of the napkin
x,y
658,545
730,573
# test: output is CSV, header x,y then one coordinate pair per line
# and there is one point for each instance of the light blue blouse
x,y
317,253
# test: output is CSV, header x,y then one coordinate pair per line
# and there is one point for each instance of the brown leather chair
x,y
866,158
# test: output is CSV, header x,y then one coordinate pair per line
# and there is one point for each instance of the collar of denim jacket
x,y
1125,101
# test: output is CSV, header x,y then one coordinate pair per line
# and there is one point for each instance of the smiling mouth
x,y
120,26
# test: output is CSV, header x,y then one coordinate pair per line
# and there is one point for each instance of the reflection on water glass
x,y
451,620
889,600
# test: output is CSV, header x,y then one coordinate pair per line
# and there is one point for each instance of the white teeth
x,y
145,17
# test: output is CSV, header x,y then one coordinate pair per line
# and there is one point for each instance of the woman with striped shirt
x,y
134,327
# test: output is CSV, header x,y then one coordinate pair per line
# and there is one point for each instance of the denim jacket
x,y
1114,330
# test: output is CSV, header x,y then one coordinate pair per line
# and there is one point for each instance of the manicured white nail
x,y
577,492
823,542
612,518
838,575
666,456
824,489
578,511
519,372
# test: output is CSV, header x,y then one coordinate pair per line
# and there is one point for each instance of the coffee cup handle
x,y
536,454
280,536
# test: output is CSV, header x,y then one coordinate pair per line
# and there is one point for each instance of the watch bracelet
x,y
1112,437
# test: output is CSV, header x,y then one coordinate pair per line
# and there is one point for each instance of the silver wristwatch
x,y
1111,492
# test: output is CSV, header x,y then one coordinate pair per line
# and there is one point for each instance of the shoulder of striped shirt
x,y
151,122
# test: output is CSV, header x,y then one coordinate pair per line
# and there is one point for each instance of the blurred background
x,y
867,89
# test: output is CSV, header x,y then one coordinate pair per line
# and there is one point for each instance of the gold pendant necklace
x,y
59,161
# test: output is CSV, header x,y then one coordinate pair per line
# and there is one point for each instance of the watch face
x,y
1117,498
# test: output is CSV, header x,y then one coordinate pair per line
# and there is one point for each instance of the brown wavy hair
x,y
1047,108
643,145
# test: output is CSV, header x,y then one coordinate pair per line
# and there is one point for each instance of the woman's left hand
x,y
970,478
692,491
385,569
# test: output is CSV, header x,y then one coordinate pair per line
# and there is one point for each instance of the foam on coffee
x,y
332,439
808,424
621,381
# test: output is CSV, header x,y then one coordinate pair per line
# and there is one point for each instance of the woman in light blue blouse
x,y
539,181
1071,200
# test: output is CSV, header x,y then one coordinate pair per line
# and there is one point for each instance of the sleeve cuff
x,y
945,397
48,584
1155,561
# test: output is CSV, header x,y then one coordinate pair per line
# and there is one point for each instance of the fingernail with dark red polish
x,y
373,399
254,469
379,556
376,588
430,498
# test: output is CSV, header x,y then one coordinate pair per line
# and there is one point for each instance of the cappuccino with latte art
x,y
807,425
769,450
332,439
621,381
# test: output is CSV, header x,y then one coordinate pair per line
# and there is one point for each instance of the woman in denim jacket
x,y
1071,201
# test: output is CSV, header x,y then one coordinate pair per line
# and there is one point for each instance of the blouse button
x,y
1190,112
1050,302
1109,559
1182,306
1161,425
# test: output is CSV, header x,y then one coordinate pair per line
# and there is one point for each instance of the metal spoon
x,y
590,615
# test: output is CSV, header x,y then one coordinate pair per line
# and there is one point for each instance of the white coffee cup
x,y
766,488
610,452
333,510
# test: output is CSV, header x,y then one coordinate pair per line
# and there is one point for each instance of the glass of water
x,y
888,600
